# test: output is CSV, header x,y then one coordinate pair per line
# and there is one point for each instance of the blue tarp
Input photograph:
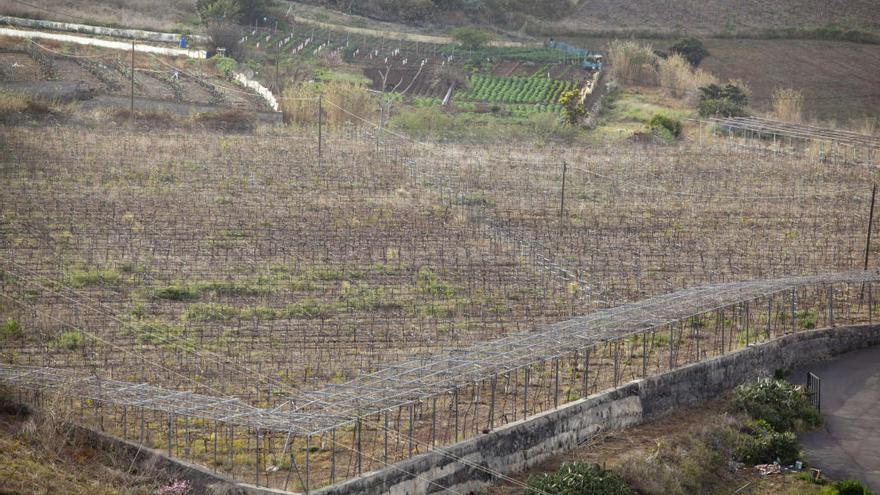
x,y
578,52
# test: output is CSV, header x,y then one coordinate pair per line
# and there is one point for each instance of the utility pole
x,y
870,224
562,198
277,86
320,122
131,109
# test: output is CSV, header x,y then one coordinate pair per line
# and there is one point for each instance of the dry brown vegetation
x,y
635,63
39,455
101,78
673,435
716,16
158,15
255,269
788,104
344,102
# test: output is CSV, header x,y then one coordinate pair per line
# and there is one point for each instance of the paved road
x,y
848,443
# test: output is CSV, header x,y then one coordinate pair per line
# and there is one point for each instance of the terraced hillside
x,y
100,78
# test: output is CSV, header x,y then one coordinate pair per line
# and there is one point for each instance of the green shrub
x,y
691,49
471,38
782,405
764,445
851,487
70,340
225,65
11,330
723,101
578,479
663,124
692,463
177,292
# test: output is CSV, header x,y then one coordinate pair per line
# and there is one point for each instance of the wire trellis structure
x,y
351,407
295,319
418,380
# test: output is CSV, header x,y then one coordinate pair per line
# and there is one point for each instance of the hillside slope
x,y
720,16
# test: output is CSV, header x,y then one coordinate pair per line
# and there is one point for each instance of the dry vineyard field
x,y
102,78
249,267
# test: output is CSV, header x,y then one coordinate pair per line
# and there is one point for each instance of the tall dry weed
x,y
788,104
633,62
342,102
681,79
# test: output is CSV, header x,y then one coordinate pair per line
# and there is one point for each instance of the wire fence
x,y
295,319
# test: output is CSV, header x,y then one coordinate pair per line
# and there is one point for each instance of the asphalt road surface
x,y
848,443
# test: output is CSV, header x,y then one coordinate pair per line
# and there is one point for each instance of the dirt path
x,y
848,443
391,32
101,43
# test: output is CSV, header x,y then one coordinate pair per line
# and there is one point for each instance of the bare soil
x,y
105,74
717,16
839,79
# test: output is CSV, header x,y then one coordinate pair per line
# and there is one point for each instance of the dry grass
x,y
159,15
681,79
788,104
38,455
17,106
633,62
299,103
11,102
716,16
226,120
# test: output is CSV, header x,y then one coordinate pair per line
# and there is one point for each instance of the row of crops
x,y
497,89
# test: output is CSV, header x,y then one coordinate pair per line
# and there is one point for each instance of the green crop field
x,y
495,89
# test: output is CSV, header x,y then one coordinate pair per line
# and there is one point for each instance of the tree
x,y
572,106
212,11
724,101
664,125
691,49
225,35
232,11
471,38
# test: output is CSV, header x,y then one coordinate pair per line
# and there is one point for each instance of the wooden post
x,y
257,450
170,430
360,453
385,448
831,305
455,402
870,224
586,372
320,123
434,422
333,450
277,59
131,107
562,199
411,427
616,362
746,311
556,383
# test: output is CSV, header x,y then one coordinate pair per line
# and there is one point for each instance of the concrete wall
x,y
520,445
149,461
